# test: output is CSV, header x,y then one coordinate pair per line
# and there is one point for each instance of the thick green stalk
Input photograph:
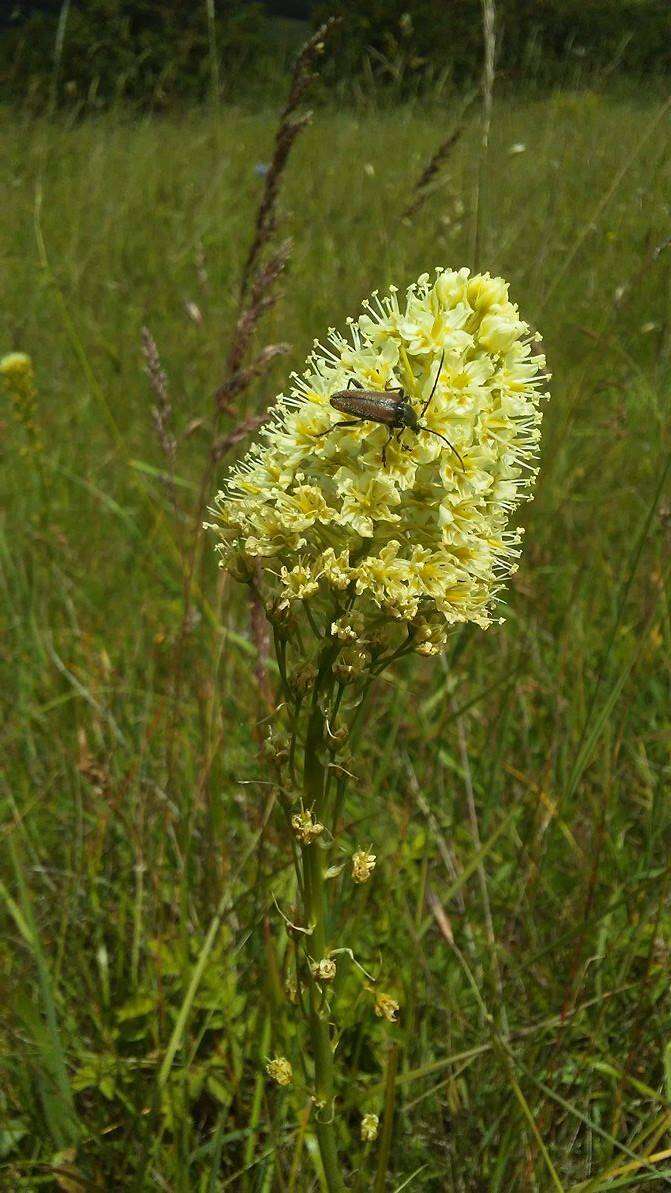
x,y
316,917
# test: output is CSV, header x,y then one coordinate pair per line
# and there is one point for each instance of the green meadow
x,y
515,791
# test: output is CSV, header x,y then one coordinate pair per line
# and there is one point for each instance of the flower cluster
x,y
409,524
17,378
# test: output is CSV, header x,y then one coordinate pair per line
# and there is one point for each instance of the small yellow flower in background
x,y
386,1007
279,1070
422,537
324,970
363,865
306,827
369,1126
17,367
18,378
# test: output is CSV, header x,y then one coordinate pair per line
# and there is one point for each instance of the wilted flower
x,y
351,664
369,1125
386,1007
306,827
324,970
279,1069
423,536
431,637
302,679
363,865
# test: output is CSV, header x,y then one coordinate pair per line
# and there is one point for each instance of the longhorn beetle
x,y
391,408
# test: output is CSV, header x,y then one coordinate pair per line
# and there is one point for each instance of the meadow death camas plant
x,y
368,531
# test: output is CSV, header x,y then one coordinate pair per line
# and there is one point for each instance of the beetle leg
x,y
384,449
355,422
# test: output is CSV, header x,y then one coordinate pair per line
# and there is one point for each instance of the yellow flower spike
x,y
280,1071
18,380
418,531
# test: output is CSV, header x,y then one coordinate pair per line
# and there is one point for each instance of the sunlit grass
x,y
131,829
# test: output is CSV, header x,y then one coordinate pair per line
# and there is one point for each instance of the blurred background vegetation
x,y
160,54
516,793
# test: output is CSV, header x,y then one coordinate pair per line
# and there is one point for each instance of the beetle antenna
x,y
450,445
433,389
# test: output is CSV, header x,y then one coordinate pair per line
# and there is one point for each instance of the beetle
x,y
390,408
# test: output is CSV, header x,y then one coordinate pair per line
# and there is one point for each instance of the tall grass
x,y
517,806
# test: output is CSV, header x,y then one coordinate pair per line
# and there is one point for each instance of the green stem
x,y
316,911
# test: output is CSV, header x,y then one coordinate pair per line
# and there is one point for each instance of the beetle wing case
x,y
369,404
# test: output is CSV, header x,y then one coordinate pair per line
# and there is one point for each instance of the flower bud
x,y
279,1070
369,1125
484,291
498,331
430,637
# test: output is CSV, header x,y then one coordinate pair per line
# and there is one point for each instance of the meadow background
x,y
515,793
